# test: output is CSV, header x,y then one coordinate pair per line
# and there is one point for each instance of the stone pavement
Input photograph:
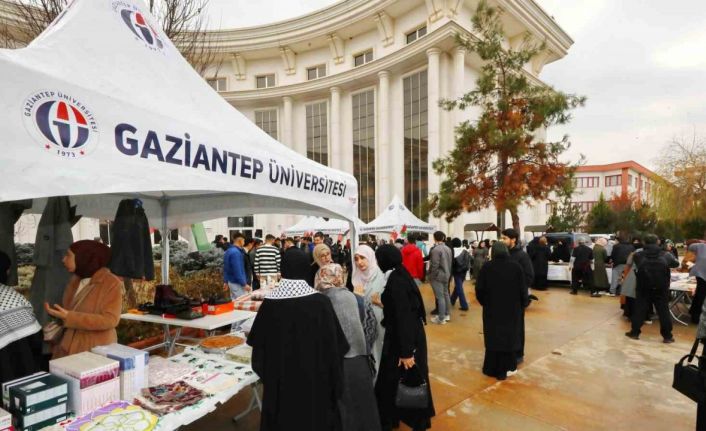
x,y
580,373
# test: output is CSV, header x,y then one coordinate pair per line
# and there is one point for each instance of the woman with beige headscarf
x,y
321,257
600,256
358,405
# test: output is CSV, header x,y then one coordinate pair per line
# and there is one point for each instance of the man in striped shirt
x,y
267,260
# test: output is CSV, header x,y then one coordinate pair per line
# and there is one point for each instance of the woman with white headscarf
x,y
600,256
369,282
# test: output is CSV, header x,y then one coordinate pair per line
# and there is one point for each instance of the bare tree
x,y
682,166
183,21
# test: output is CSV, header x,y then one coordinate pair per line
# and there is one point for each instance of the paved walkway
x,y
580,373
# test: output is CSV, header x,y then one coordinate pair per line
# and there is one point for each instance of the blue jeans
x,y
458,291
236,290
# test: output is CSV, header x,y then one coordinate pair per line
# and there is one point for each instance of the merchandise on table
x,y
38,395
163,371
93,380
115,416
40,419
5,420
221,342
215,308
133,367
7,385
164,399
211,382
242,354
206,362
247,303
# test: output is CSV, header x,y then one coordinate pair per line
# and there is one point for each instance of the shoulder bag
x,y
412,397
690,379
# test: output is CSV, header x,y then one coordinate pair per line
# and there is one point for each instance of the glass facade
x,y
267,121
317,132
364,152
416,142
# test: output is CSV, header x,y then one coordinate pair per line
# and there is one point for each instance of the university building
x,y
356,86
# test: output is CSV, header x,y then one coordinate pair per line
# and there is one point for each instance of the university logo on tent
x,y
60,123
138,25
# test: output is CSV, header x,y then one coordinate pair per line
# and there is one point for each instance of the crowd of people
x,y
343,329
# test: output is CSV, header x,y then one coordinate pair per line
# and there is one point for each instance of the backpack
x,y
460,263
653,273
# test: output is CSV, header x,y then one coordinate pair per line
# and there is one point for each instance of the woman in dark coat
x,y
540,255
502,291
405,344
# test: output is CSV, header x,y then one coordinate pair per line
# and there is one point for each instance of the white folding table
x,y
208,323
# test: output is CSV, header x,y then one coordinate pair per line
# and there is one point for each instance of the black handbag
x,y
412,397
690,379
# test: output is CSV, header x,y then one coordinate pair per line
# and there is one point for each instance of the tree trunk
x,y
500,219
515,219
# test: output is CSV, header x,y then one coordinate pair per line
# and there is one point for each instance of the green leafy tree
x,y
498,160
566,215
601,218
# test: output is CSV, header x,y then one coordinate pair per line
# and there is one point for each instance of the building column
x,y
287,132
385,166
434,115
457,116
336,159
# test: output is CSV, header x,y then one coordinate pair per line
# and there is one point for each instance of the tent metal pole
x,y
165,241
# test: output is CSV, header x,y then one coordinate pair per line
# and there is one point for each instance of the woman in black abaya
x,y
405,345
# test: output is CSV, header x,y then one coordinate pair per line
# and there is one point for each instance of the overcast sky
x,y
641,63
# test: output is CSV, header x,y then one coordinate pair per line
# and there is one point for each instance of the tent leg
x,y
165,242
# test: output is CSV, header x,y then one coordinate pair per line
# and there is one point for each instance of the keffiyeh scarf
x,y
17,319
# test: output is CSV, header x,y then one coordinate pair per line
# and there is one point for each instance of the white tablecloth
x,y
561,272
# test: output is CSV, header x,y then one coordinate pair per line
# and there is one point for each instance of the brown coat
x,y
94,321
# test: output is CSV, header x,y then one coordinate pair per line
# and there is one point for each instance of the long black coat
x,y
522,258
502,291
403,315
131,248
298,348
540,255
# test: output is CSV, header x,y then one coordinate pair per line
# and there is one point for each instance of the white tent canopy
x,y
102,107
318,224
394,217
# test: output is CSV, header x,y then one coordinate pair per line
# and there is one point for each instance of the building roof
x,y
629,164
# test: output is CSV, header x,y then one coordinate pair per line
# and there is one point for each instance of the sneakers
x,y
629,334
595,295
611,294
511,373
447,318
438,321
668,340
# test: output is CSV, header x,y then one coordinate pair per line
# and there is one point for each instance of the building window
x,y
585,207
265,81
218,84
416,34
613,180
241,224
363,58
317,132
586,182
416,141
267,121
629,180
364,152
316,72
549,208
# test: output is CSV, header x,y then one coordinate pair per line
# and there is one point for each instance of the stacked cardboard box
x,y
35,401
133,368
93,380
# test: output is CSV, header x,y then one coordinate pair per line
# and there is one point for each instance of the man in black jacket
x,y
512,240
653,278
619,257
581,270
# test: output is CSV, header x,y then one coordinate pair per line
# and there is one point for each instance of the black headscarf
x,y
295,264
389,257
5,264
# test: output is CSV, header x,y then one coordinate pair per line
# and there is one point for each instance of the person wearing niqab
x,y
298,350
404,347
502,291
